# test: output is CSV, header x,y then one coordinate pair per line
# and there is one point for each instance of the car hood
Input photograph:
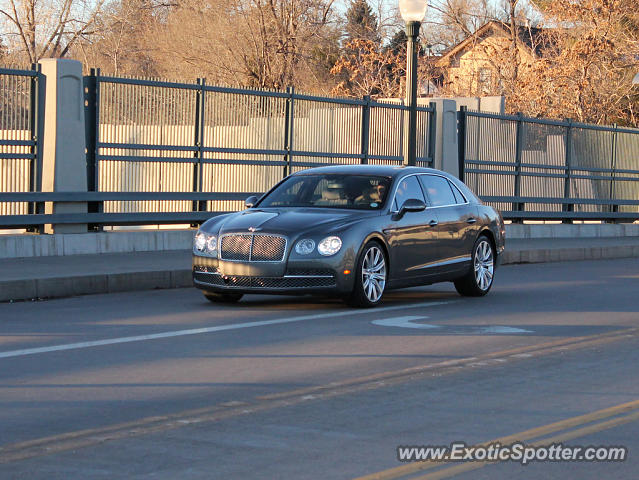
x,y
291,220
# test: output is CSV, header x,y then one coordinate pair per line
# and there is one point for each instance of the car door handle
x,y
433,223
471,220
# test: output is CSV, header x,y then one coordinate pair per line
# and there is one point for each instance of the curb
x,y
58,287
570,254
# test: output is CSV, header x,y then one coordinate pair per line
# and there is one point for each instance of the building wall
x,y
474,71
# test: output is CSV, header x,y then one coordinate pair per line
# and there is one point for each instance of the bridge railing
x,y
20,166
542,169
146,135
97,217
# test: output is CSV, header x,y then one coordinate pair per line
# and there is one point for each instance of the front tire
x,y
370,277
479,279
223,297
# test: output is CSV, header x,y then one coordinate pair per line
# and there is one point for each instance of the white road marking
x,y
197,331
404,322
407,322
504,330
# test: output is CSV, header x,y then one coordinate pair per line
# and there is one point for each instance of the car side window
x,y
459,197
439,190
408,188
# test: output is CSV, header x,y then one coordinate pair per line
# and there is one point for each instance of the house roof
x,y
529,36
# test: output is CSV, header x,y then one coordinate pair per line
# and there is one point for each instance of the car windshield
x,y
361,192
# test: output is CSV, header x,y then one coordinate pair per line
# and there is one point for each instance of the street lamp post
x,y
413,12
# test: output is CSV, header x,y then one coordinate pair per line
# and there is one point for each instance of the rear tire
x,y
371,274
479,279
223,297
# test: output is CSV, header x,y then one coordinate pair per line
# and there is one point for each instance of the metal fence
x,y
19,152
168,152
158,136
531,168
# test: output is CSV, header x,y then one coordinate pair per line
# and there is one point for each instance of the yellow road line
x,y
537,348
144,426
624,408
582,432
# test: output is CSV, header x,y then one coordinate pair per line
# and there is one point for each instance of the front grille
x,y
267,248
249,247
263,282
310,272
236,247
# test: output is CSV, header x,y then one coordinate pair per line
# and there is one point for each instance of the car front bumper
x,y
284,278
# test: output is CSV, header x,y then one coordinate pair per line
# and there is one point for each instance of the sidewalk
x,y
63,276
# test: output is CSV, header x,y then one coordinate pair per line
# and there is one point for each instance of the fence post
x,y
35,167
366,125
432,132
91,134
461,140
402,126
288,130
519,145
198,140
613,167
568,162
33,118
91,85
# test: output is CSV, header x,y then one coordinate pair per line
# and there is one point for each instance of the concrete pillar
x,y
63,143
446,157
494,104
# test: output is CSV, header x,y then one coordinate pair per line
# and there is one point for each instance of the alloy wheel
x,y
374,274
484,265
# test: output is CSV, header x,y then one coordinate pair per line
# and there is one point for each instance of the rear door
x,y
457,226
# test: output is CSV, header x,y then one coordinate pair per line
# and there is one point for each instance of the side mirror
x,y
412,205
250,201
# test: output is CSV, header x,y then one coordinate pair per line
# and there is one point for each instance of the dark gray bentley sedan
x,y
353,231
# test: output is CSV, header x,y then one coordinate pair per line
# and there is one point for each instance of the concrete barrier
x,y
20,246
26,245
50,266
523,231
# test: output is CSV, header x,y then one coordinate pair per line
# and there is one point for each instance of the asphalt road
x,y
164,384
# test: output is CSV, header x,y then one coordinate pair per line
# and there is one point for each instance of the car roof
x,y
383,170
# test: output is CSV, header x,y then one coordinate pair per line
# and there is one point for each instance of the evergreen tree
x,y
361,22
397,43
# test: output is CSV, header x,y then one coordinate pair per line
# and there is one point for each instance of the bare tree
x,y
587,74
367,70
448,22
124,38
262,43
40,28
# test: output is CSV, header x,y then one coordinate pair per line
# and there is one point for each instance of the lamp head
x,y
413,10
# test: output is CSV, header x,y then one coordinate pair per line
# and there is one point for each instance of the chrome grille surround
x,y
252,247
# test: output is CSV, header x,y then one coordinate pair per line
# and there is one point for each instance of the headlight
x,y
200,241
305,246
211,244
329,246
205,243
